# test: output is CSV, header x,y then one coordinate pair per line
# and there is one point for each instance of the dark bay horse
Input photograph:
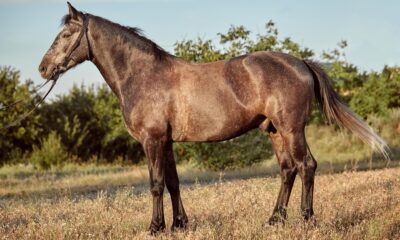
x,y
165,99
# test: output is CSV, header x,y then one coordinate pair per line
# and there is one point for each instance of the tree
x,y
90,124
238,41
71,116
345,76
16,98
379,94
116,143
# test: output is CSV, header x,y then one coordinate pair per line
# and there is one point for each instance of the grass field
x,y
114,203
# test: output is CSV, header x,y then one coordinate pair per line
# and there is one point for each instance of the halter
x,y
78,40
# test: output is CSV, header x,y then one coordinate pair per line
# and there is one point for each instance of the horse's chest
x,y
142,117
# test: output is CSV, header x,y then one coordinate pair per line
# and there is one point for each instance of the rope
x,y
4,106
25,115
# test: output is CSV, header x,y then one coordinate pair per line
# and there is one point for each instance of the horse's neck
x,y
117,59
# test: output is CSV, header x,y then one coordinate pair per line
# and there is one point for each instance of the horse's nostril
x,y
42,69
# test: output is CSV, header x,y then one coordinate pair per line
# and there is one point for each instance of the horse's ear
x,y
72,11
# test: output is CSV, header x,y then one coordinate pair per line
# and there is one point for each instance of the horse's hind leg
x,y
307,172
295,142
180,219
288,175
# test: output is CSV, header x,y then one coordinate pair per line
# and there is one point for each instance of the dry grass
x,y
24,181
350,205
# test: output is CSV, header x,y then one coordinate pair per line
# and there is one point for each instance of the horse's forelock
x,y
65,19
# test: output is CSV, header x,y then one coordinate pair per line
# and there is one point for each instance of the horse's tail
x,y
336,110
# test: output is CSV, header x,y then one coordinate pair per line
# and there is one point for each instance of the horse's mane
x,y
140,40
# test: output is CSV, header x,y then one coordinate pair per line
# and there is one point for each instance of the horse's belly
x,y
212,122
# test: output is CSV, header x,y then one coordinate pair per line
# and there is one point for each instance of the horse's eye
x,y
66,35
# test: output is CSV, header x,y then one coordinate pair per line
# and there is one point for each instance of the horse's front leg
x,y
172,182
154,148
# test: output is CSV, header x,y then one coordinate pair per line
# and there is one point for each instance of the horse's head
x,y
70,48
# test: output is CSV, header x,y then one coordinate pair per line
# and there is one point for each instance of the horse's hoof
x,y
278,216
180,223
307,214
154,229
276,219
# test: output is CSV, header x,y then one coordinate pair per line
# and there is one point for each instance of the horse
x,y
165,99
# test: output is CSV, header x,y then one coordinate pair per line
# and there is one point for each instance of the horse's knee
x,y
157,189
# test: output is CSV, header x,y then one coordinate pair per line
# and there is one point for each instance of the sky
x,y
371,28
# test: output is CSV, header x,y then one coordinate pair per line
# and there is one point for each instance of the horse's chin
x,y
58,71
55,77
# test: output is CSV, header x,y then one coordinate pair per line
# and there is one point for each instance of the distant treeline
x,y
85,125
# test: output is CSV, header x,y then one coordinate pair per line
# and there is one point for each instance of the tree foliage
x,y
86,123
90,124
238,41
379,93
16,98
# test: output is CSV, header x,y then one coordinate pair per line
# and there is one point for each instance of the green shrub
x,y
51,153
242,151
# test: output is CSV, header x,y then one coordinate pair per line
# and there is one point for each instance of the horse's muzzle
x,y
49,71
